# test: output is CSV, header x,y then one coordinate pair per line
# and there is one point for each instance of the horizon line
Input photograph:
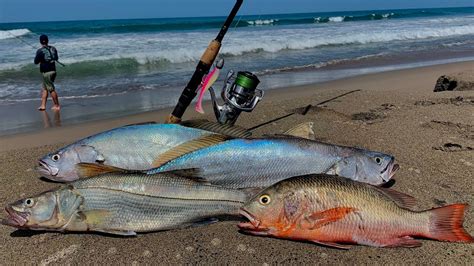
x,y
149,18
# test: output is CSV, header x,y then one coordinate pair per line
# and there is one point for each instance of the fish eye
x,y
264,199
29,202
378,160
55,157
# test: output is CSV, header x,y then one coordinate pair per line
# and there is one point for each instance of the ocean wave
x,y
320,65
8,34
262,22
336,19
154,55
180,24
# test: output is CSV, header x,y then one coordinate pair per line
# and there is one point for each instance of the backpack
x,y
51,55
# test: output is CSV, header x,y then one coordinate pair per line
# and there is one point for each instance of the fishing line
x,y
230,34
304,112
29,44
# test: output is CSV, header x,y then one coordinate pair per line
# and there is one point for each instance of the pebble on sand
x,y
241,247
112,250
216,241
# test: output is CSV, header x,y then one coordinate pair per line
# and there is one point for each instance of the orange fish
x,y
335,211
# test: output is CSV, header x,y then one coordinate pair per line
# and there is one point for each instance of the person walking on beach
x,y
46,57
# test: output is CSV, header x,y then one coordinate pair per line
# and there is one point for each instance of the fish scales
x,y
144,213
133,147
330,210
255,163
373,209
124,204
161,185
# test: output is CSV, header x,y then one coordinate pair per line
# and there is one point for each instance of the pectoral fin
x,y
95,217
85,170
188,147
320,219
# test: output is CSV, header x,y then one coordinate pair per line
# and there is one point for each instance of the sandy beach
x,y
430,134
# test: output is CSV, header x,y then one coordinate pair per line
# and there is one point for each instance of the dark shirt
x,y
45,56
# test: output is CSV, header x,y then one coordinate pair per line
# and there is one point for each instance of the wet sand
x,y
430,134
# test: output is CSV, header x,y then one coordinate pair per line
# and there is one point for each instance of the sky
x,y
51,10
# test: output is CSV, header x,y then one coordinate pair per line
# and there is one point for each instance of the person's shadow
x,y
47,120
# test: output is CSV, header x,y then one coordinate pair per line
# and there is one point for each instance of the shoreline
x,y
70,132
22,117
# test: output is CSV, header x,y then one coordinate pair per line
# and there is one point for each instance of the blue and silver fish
x,y
239,163
132,147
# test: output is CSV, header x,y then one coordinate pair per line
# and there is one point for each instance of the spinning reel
x,y
239,93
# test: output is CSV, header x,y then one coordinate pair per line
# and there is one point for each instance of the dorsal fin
x,y
188,147
85,170
401,199
233,131
303,130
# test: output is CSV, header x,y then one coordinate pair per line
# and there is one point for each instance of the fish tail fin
x,y
198,107
446,224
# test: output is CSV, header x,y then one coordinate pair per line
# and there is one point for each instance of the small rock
x,y
251,250
189,248
178,256
439,202
468,163
417,171
216,241
455,82
323,255
410,169
135,263
241,247
147,253
265,264
29,169
112,251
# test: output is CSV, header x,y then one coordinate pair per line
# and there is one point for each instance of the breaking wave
x,y
7,34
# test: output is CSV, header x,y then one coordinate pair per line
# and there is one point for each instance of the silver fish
x,y
133,147
125,204
240,163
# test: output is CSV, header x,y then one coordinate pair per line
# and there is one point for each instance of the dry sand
x,y
395,112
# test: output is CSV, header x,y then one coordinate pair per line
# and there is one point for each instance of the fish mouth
x,y
393,170
252,226
389,171
15,218
46,170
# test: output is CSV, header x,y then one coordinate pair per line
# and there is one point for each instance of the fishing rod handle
x,y
205,63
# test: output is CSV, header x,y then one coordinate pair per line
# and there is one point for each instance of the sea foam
x,y
7,34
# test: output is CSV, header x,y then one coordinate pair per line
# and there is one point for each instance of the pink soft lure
x,y
207,83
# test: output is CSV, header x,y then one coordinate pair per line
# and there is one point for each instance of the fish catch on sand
x,y
240,163
132,147
334,211
125,204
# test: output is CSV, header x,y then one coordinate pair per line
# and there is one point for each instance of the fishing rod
x,y
202,68
29,44
304,111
